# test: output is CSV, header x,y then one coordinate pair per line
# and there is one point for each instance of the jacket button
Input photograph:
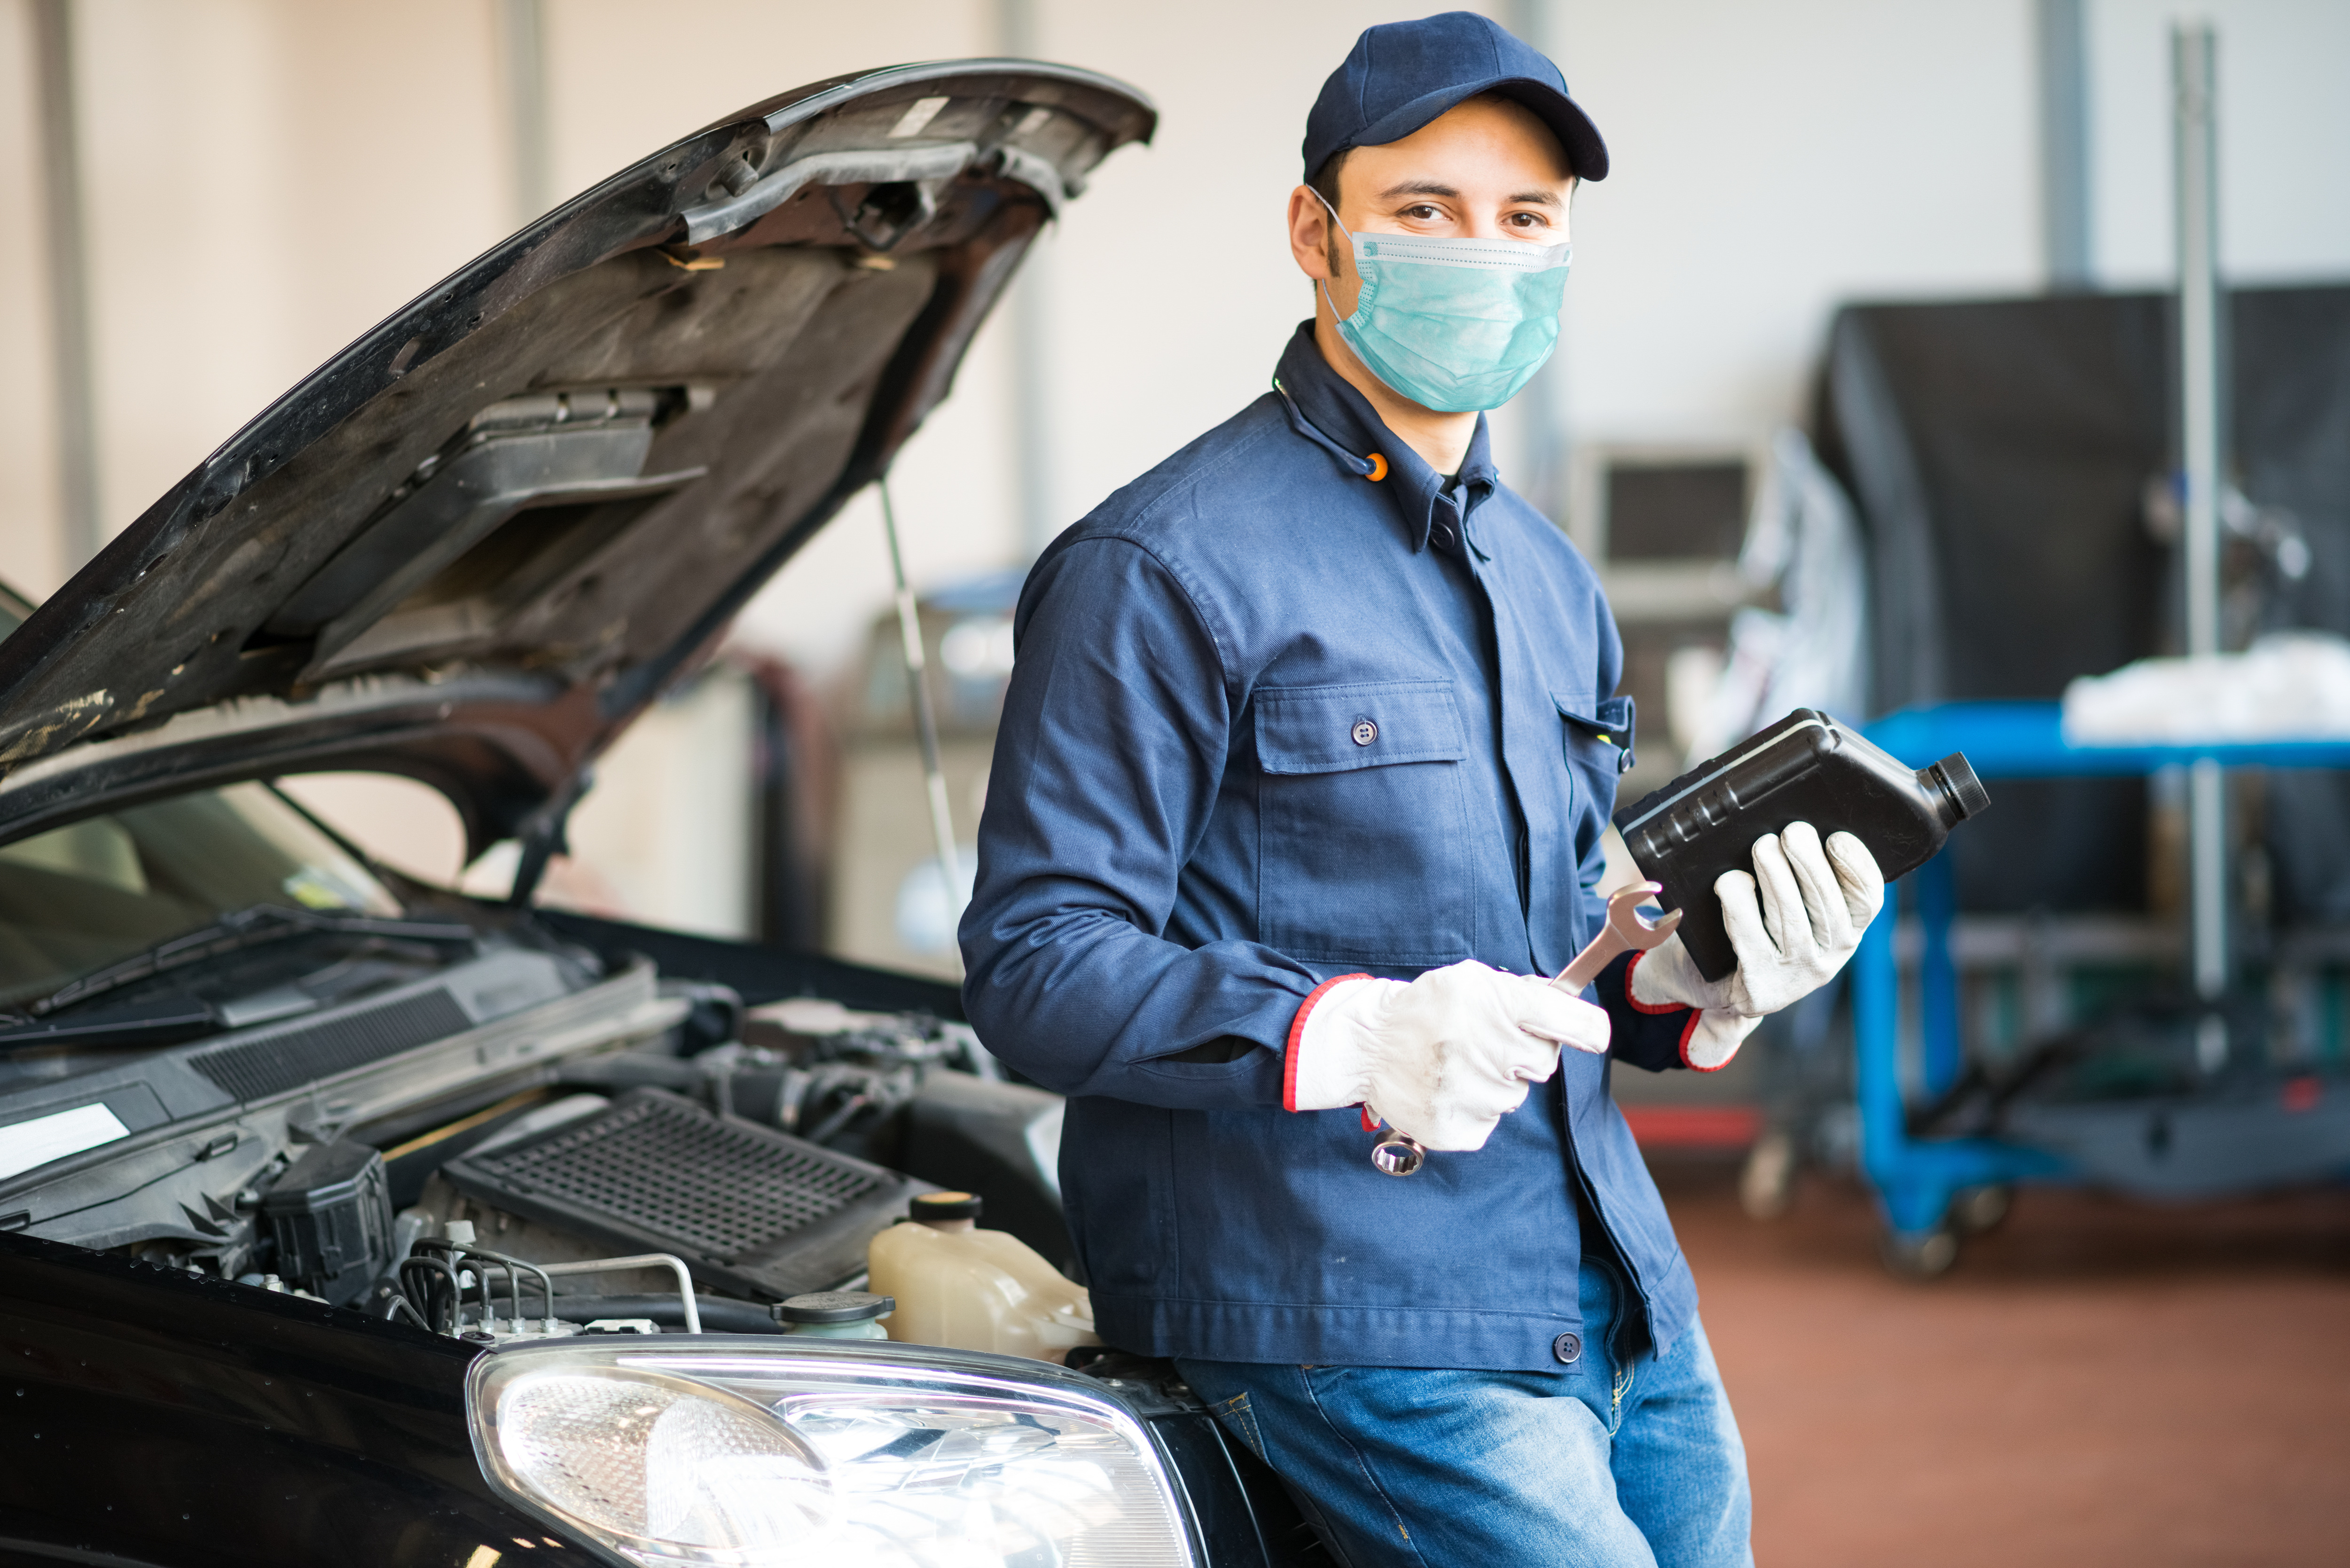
x,y
1567,1347
1443,536
1364,731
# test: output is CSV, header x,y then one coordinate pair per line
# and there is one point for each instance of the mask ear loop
x,y
1373,467
1323,283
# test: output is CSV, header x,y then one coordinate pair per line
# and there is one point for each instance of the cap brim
x,y
1586,154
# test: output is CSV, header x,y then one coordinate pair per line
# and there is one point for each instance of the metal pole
x,y
80,533
2064,188
926,722
522,41
1542,406
1017,32
2193,49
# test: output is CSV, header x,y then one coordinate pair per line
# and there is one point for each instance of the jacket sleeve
x,y
1108,762
1643,1035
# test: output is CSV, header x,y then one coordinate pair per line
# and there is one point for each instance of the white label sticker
x,y
44,1138
918,113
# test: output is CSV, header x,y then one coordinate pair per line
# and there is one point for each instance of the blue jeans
x,y
1626,1458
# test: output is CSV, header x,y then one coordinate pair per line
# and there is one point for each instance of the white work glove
x,y
1442,1057
1815,903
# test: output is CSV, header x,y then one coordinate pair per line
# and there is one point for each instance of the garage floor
x,y
2096,1383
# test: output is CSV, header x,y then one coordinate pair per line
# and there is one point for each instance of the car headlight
x,y
737,1454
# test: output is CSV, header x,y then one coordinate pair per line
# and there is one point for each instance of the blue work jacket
x,y
1273,720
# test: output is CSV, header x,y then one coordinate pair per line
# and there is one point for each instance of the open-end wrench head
x,y
1624,930
1637,930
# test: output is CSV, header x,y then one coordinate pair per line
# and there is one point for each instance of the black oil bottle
x,y
1805,768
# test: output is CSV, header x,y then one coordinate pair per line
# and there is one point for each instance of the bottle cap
x,y
834,1306
1966,792
944,1206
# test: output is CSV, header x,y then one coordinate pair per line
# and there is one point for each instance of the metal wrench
x,y
1626,931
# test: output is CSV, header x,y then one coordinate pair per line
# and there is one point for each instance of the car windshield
x,y
79,898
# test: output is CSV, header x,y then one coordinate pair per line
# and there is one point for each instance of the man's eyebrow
x,y
1419,188
1535,197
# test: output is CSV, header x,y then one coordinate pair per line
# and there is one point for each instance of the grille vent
x,y
260,1068
756,1209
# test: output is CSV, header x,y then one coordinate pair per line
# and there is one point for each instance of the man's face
x,y
1487,169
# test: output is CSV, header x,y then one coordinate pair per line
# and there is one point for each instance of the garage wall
x,y
29,509
1769,162
269,177
2284,138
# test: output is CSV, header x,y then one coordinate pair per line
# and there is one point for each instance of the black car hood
x,y
473,545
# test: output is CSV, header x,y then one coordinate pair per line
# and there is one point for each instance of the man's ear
x,y
1313,237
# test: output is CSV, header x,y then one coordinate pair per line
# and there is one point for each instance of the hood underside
x,y
475,544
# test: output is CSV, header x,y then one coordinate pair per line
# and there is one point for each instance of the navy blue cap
x,y
1400,75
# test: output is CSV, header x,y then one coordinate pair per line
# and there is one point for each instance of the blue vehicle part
x,y
1916,1179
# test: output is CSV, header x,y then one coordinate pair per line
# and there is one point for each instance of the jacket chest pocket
x,y
1596,742
1364,854
1598,738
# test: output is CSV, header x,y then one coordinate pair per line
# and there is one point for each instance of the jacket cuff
x,y
1297,1037
1644,1034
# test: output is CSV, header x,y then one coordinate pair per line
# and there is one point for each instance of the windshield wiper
x,y
153,1020
245,927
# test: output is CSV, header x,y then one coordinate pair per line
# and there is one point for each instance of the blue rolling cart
x,y
1917,1180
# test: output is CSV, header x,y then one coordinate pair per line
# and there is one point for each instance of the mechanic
x,y
1298,796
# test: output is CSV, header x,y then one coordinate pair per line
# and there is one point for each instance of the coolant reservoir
x,y
970,1289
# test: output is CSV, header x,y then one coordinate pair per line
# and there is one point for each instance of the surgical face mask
x,y
1457,325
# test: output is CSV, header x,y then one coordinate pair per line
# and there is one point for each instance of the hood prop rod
x,y
545,834
926,719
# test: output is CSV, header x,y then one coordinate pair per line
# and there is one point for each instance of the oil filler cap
x,y
834,1306
931,1207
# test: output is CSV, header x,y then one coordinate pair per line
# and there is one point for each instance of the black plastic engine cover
x,y
750,1208
330,1216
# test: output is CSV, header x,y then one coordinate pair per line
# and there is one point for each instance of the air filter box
x,y
1805,768
330,1216
750,1210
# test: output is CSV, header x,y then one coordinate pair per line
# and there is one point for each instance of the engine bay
x,y
600,1128
647,1191
329,1081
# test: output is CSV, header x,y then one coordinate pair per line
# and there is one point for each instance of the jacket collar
x,y
1325,409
